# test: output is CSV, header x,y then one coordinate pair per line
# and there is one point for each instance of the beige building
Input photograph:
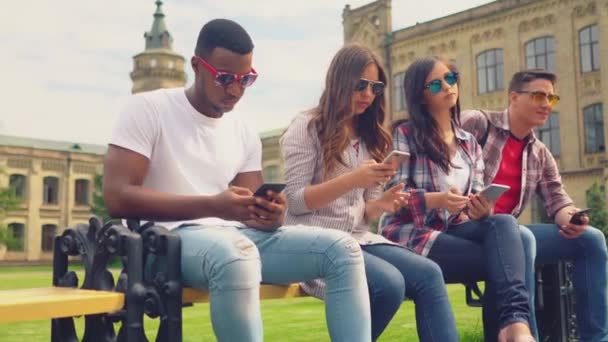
x,y
272,162
56,179
491,42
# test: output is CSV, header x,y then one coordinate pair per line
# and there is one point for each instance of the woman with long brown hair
x,y
447,219
334,172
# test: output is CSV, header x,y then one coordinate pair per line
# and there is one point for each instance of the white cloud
x,y
68,70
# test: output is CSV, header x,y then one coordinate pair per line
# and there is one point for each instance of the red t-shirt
x,y
509,173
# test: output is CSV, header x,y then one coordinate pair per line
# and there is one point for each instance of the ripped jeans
x,y
231,262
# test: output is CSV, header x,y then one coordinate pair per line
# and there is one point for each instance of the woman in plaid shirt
x,y
333,168
445,220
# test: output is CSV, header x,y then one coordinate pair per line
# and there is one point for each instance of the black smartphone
x,y
262,190
577,216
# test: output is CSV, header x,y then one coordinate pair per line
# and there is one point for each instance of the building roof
x,y
159,37
64,146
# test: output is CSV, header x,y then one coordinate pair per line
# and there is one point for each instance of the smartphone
x,y
578,216
262,190
396,158
493,191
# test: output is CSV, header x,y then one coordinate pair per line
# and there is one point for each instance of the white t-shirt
x,y
189,153
460,174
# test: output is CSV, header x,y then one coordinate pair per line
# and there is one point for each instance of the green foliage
x,y
7,239
99,205
596,200
8,202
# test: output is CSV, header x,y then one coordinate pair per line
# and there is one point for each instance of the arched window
x,y
490,71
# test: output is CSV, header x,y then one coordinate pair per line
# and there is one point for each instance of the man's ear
x,y
513,96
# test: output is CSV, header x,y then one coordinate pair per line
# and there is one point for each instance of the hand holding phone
x,y
577,217
262,191
396,158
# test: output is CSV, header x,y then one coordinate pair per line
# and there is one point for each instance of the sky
x,y
66,64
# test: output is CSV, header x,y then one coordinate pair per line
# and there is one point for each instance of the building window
x,y
549,134
16,232
540,53
17,182
170,64
590,49
399,102
48,236
81,192
489,71
152,63
271,173
50,190
594,128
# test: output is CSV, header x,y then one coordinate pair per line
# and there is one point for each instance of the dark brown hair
x,y
425,129
333,114
521,78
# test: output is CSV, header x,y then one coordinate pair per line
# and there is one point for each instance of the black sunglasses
x,y
435,85
377,87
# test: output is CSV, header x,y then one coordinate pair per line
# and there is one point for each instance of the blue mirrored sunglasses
x,y
435,85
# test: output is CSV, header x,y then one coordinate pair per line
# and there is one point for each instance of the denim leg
x,y
302,253
590,277
489,304
386,291
502,246
227,263
529,244
425,285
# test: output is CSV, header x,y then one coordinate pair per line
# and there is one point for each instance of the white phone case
x,y
396,158
493,191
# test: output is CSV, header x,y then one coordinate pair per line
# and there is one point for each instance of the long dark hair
x,y
425,130
333,113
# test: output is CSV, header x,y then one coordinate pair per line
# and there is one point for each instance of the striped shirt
x,y
539,172
415,226
303,156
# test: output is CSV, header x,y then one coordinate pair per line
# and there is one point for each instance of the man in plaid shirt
x,y
513,156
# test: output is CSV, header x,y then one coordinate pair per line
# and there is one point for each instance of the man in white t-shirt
x,y
175,158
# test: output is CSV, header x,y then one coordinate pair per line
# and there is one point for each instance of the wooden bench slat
x,y
55,302
190,295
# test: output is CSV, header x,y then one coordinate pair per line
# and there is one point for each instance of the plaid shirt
x,y
414,226
539,171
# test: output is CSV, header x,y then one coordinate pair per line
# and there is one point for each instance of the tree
x,y
99,205
596,200
8,201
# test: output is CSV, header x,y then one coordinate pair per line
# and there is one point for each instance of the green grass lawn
x,y
298,319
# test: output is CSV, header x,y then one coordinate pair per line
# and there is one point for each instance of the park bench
x,y
103,301
58,302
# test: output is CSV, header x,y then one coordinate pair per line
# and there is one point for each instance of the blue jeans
x,y
393,273
590,277
490,314
489,249
231,262
529,243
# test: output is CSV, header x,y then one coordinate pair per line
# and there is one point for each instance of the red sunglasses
x,y
224,78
